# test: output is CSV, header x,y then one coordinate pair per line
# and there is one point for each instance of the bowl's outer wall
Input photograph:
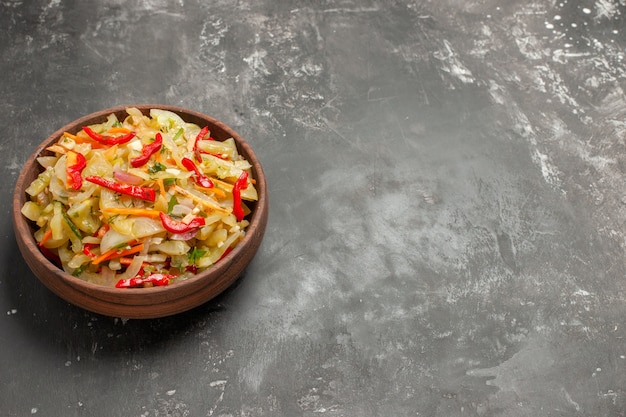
x,y
145,302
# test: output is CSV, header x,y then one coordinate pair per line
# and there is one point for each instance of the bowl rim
x,y
134,297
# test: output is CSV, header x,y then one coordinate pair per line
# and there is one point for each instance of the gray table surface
x,y
446,234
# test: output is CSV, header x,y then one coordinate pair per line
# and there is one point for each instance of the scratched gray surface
x,y
446,235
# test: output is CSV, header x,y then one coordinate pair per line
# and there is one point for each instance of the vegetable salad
x,y
148,200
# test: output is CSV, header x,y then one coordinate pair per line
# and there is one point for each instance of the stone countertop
x,y
446,232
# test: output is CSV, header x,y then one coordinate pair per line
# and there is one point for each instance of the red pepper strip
x,y
200,136
154,279
87,250
144,193
74,171
201,179
147,152
175,226
222,157
102,230
226,252
108,140
240,184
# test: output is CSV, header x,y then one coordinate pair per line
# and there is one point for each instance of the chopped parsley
x,y
195,255
173,201
79,270
156,168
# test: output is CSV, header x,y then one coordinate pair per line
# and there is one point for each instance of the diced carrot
x,y
84,139
73,137
128,260
158,156
114,130
212,190
117,253
46,237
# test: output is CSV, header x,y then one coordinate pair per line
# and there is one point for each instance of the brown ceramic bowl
x,y
142,302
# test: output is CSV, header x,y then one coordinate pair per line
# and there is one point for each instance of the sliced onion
x,y
133,269
59,168
125,177
47,161
94,240
135,265
155,258
171,248
181,210
89,189
184,236
107,275
57,189
136,228
112,238
77,260
145,226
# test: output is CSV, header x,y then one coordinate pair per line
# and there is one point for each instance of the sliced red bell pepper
x,y
75,169
102,230
175,226
87,249
144,193
201,135
240,184
226,252
147,152
201,179
157,280
222,157
108,140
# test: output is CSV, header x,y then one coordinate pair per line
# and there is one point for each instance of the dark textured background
x,y
446,234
